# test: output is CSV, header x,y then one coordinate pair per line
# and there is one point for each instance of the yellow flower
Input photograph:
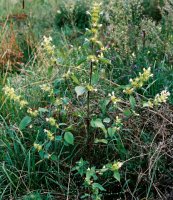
x,y
37,146
117,165
10,93
118,120
49,135
23,103
113,98
58,101
33,113
45,87
128,90
161,98
49,48
52,122
92,58
139,81
150,104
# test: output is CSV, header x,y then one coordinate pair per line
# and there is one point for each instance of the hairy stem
x,y
88,100
88,96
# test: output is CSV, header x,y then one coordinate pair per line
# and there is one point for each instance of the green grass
x,y
88,135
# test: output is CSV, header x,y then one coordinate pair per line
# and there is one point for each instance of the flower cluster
x,y
161,98
158,99
92,58
50,135
117,125
49,48
91,88
47,45
139,81
95,15
47,88
58,102
33,113
117,165
113,98
94,39
10,93
118,121
52,122
37,146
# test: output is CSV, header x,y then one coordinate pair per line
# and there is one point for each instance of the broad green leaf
x,y
69,138
54,157
97,123
91,173
50,69
25,122
127,113
98,186
103,105
58,138
132,102
111,132
41,153
117,175
47,146
80,90
69,128
109,166
107,120
75,80
46,156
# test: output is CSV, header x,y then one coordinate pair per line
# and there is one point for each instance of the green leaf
x,y
103,105
43,110
132,102
82,60
58,138
105,60
111,132
75,80
41,153
80,90
97,123
104,141
69,128
107,120
91,173
117,175
127,113
25,122
69,138
54,158
46,156
98,186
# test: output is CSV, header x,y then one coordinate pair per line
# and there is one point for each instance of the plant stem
x,y
88,96
88,100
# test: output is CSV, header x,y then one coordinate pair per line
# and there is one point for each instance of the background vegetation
x,y
86,99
